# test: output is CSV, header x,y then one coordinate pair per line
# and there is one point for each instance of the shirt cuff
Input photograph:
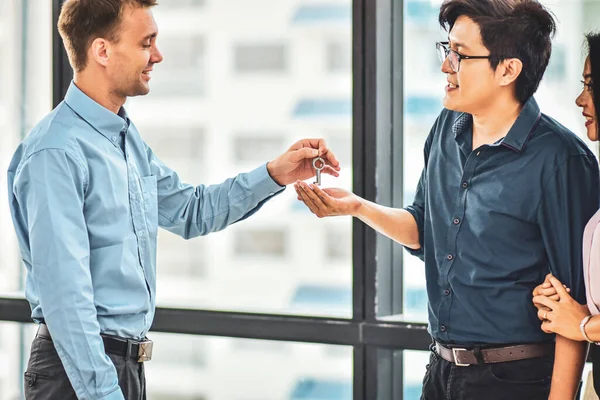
x,y
261,183
418,252
116,395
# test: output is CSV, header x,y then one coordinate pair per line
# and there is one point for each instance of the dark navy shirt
x,y
493,221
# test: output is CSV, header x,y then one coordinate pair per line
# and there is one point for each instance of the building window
x,y
260,243
183,71
256,149
341,143
557,68
338,56
339,245
181,148
183,4
177,257
249,58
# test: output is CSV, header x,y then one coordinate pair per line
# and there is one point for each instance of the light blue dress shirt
x,y
86,215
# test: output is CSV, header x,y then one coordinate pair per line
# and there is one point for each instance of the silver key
x,y
318,167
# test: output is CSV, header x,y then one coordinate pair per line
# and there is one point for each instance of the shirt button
x,y
450,257
456,221
443,328
114,138
465,185
140,234
447,292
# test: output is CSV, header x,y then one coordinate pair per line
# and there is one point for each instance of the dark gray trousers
x,y
46,379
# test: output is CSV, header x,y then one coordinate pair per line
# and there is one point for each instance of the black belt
x,y
138,350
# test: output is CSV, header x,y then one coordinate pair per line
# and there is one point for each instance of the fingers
x,y
330,171
540,314
322,150
547,327
547,292
303,196
320,193
541,291
560,288
329,155
544,315
306,152
544,301
315,202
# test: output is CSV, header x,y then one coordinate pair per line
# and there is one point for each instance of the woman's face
x,y
586,102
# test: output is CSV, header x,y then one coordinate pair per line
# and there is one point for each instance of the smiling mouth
x,y
452,85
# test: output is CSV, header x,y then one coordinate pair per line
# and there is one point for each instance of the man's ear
x,y
100,51
509,70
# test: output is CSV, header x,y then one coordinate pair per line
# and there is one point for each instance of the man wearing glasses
x,y
502,201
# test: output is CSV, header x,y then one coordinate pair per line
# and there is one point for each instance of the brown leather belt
x,y
140,351
465,357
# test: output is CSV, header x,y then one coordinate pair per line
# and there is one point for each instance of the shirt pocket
x,y
150,203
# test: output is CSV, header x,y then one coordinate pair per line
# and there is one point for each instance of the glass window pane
x,y
255,84
252,149
424,89
25,97
186,367
423,92
414,372
260,57
187,77
339,56
15,345
176,4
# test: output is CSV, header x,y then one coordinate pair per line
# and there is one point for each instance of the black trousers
x,y
46,379
515,380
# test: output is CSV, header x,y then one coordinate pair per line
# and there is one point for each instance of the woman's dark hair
x,y
520,29
593,45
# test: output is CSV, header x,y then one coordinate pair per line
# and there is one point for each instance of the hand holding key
x,y
297,163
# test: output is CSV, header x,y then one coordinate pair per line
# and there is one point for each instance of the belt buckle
x,y
145,350
454,353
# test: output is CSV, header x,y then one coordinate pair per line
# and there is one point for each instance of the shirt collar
x,y
520,132
101,119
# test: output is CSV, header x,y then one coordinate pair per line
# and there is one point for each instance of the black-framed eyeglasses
x,y
454,57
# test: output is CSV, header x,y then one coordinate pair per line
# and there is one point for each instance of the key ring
x,y
316,160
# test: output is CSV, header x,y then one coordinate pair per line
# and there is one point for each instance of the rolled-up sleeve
x,y
50,189
417,208
571,197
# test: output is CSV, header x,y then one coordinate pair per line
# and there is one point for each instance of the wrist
x,y
584,335
360,209
272,171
